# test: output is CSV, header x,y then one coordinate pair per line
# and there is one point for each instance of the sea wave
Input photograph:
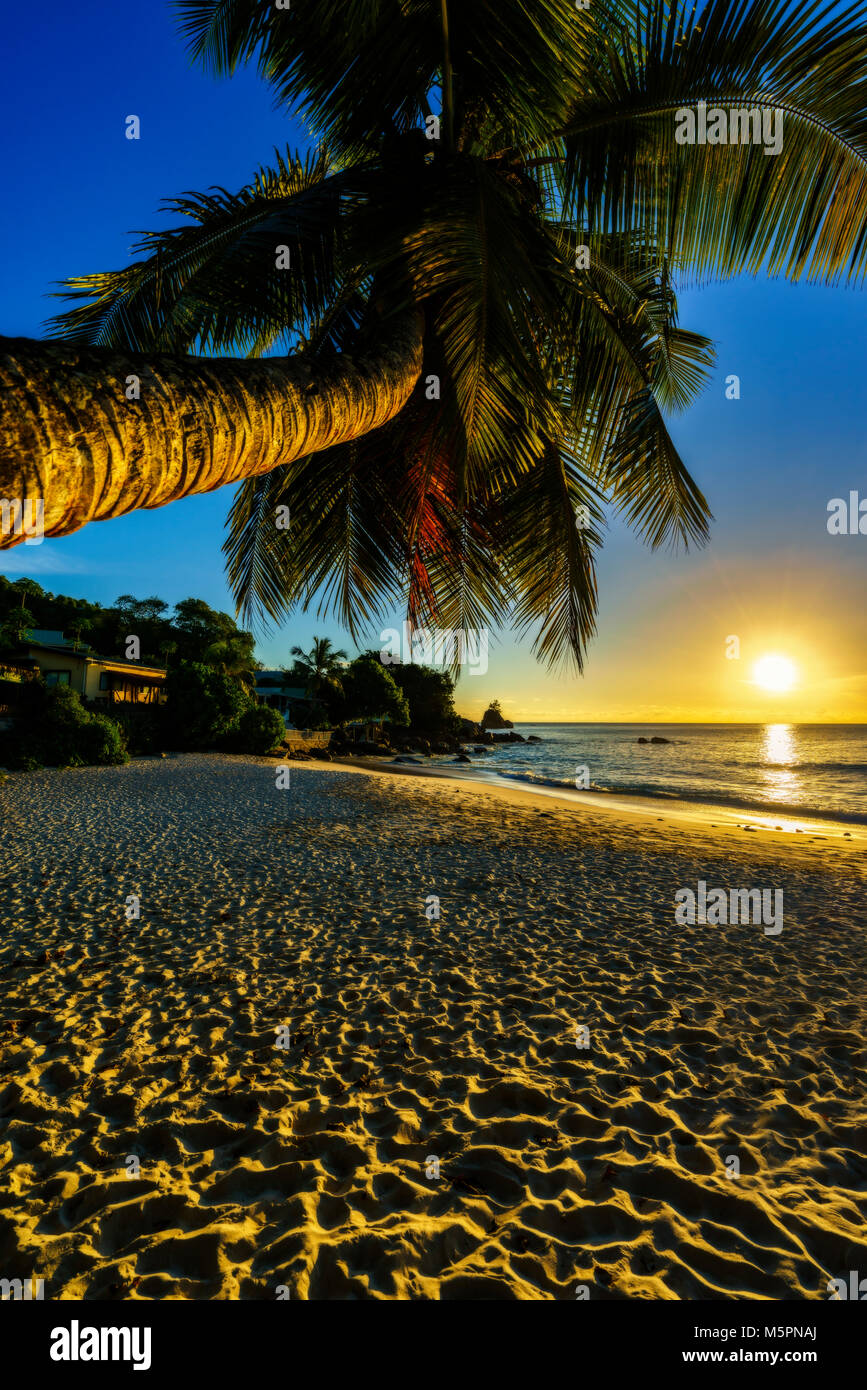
x,y
810,767
654,792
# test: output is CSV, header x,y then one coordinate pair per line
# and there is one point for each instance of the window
x,y
57,677
103,680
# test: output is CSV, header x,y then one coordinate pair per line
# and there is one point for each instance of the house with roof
x,y
296,706
61,661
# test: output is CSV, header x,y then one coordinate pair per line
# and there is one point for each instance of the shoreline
x,y
770,825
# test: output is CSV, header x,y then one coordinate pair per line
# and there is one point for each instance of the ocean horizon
x,y
801,770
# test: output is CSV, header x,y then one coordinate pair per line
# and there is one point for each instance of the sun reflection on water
x,y
779,747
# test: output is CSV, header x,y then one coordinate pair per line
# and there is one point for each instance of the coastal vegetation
x,y
210,685
192,631
55,730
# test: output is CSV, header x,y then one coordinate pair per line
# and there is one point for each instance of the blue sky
x,y
76,192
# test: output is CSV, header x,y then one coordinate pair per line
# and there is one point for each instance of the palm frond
x,y
634,360
552,522
213,282
721,209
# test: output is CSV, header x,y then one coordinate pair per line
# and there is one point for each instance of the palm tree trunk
x,y
70,436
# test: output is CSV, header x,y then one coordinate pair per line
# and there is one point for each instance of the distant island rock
x,y
656,739
493,717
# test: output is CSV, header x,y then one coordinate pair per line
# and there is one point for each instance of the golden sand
x,y
415,1043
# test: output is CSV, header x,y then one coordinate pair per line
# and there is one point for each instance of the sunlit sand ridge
x,y
311,1167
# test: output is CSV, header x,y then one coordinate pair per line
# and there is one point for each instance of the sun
x,y
775,673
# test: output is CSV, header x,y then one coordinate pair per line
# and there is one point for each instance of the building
x,y
109,679
296,706
371,729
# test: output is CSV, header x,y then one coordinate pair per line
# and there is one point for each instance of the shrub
x,y
144,728
204,705
57,730
258,730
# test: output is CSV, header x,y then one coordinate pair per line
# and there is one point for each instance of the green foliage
x,y
259,729
429,695
204,705
194,632
208,708
56,730
144,728
371,693
13,626
320,670
212,639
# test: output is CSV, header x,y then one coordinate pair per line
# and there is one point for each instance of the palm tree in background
x,y
482,324
320,669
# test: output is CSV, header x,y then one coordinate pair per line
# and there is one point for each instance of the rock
x,y
642,740
657,739
462,758
493,719
534,738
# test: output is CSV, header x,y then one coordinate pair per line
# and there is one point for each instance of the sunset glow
x,y
775,673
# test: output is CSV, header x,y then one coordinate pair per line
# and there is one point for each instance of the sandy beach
x,y
432,1130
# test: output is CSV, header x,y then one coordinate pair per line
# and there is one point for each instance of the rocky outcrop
x,y
493,719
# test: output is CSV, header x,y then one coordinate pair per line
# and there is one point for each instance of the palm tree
x,y
473,273
320,668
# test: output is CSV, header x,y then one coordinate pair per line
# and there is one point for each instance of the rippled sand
x,y
312,1167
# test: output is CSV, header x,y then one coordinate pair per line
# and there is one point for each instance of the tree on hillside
x,y
213,639
14,626
474,271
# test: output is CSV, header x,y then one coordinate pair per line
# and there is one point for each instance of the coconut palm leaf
x,y
554,511
726,209
213,283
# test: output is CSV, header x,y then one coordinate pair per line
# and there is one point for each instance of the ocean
x,y
789,769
